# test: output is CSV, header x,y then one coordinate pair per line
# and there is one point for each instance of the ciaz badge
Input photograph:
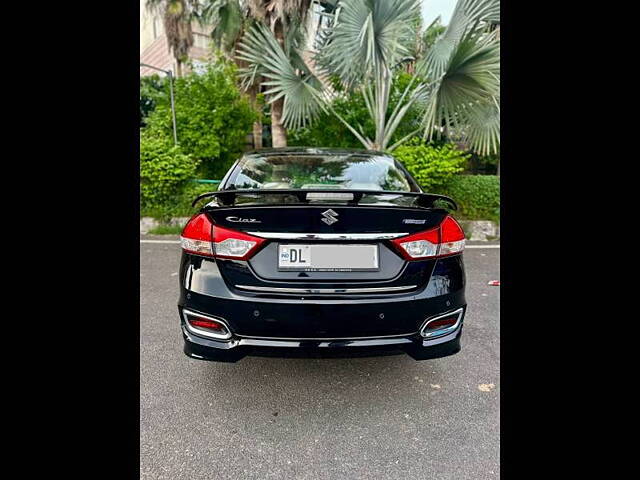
x,y
243,220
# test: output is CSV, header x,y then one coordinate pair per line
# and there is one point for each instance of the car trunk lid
x,y
318,221
361,228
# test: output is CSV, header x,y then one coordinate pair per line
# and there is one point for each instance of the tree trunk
x,y
278,132
178,68
257,135
257,125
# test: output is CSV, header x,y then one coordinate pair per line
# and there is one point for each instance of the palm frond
x,y
368,36
226,19
482,127
302,91
467,16
409,97
471,77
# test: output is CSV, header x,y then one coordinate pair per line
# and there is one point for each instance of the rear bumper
x,y
237,348
320,325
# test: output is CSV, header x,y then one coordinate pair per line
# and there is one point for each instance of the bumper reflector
x,y
206,326
442,324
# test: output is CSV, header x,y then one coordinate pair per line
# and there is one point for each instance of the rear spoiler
x,y
426,200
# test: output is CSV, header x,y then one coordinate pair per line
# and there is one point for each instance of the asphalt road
x,y
263,418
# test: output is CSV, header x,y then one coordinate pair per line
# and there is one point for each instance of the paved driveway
x,y
385,417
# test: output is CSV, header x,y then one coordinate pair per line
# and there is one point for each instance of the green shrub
x,y
482,164
179,205
477,196
213,118
183,206
165,172
431,165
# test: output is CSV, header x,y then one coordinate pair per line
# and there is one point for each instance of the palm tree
x,y
456,84
228,19
284,19
177,16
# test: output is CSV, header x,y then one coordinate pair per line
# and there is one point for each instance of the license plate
x,y
328,258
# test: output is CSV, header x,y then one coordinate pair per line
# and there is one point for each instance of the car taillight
x,y
446,239
196,235
233,244
201,237
451,237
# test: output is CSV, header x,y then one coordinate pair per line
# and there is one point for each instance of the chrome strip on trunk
x,y
327,290
327,236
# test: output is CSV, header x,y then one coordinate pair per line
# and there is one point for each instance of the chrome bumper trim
x,y
325,339
318,343
444,331
205,333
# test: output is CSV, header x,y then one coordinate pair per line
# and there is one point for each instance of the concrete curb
x,y
475,230
480,230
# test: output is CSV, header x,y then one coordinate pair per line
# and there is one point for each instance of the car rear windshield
x,y
335,171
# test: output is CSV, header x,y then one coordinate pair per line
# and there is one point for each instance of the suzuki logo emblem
x,y
329,217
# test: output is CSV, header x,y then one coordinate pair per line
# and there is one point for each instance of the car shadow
x,y
329,388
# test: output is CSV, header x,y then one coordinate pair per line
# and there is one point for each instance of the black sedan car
x,y
321,252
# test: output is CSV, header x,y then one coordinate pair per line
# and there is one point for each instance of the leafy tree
x,y
457,85
213,117
228,20
284,18
152,88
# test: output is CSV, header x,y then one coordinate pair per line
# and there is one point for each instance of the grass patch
x,y
166,230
